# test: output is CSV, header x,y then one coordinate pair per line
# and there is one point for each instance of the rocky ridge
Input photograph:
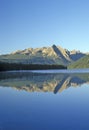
x,y
45,55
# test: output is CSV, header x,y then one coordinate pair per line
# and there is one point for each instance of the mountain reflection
x,y
42,82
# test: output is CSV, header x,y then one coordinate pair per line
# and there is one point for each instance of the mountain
x,y
81,63
45,55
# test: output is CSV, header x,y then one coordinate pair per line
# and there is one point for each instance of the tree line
x,y
19,66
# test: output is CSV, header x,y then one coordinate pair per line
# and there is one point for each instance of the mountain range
x,y
45,55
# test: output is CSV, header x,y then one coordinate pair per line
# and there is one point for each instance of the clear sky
x,y
38,23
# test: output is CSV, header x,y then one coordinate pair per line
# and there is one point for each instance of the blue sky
x,y
38,23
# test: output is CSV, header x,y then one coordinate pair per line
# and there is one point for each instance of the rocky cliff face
x,y
55,51
44,55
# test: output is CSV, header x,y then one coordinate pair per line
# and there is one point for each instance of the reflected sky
x,y
62,106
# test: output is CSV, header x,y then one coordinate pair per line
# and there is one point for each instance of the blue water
x,y
84,70
24,110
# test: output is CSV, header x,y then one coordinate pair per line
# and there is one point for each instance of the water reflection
x,y
42,82
44,111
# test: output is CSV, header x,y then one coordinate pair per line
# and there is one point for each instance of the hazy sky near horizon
x,y
38,23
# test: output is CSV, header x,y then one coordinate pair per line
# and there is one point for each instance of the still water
x,y
44,101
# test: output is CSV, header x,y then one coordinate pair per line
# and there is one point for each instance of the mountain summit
x,y
45,55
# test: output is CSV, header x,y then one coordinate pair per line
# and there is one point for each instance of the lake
x,y
44,100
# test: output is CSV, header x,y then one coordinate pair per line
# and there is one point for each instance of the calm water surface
x,y
44,101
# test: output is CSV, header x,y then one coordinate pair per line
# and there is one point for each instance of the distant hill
x,y
81,63
44,55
